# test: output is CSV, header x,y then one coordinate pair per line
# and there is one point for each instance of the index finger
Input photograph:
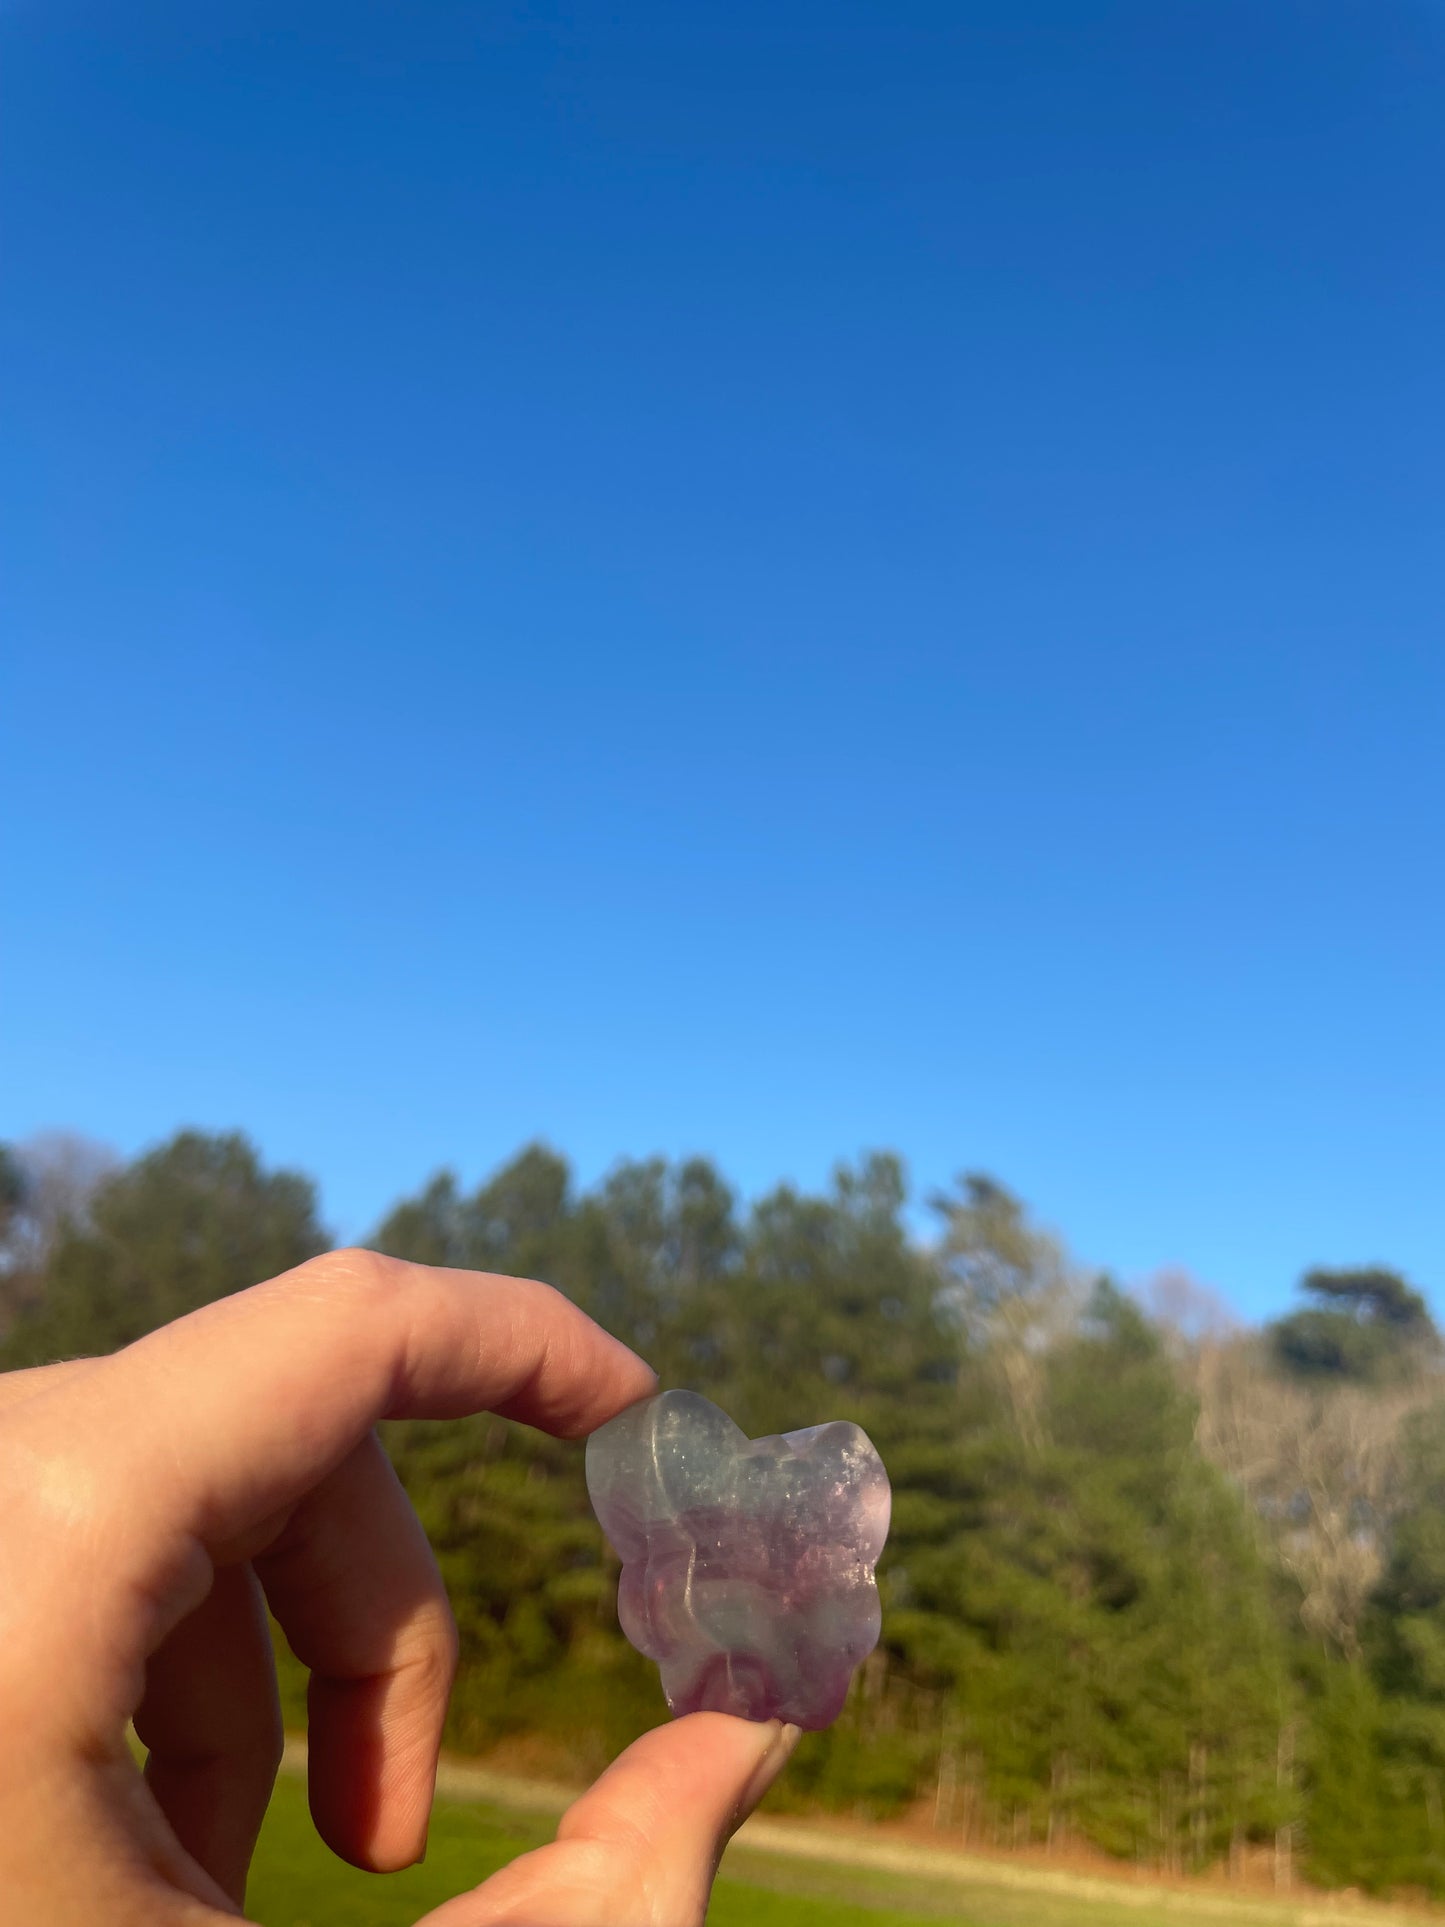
x,y
250,1401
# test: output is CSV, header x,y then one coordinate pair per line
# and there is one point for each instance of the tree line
x,y
1156,1583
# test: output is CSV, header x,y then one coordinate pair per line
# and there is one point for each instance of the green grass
x,y
296,1882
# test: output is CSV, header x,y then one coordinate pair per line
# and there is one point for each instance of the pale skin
x,y
154,1502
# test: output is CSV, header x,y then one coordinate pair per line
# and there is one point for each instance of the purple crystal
x,y
747,1564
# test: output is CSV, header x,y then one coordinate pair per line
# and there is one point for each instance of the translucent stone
x,y
747,1564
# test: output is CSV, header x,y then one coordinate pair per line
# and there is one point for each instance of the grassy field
x,y
297,1883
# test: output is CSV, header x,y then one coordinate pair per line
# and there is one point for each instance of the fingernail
x,y
778,1752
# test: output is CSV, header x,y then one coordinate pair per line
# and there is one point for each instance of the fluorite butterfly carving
x,y
747,1564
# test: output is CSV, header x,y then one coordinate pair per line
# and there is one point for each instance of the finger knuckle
x,y
433,1660
366,1277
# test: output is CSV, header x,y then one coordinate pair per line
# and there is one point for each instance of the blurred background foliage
x,y
1156,1583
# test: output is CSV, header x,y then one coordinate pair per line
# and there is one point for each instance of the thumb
x,y
643,1844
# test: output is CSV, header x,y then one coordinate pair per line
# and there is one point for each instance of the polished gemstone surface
x,y
747,1564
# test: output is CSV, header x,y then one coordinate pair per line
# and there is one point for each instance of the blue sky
x,y
764,579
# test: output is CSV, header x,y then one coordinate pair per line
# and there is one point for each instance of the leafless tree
x,y
1186,1312
1011,1288
1320,1465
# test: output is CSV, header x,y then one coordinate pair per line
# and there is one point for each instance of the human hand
x,y
151,1505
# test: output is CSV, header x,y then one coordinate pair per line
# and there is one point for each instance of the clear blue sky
x,y
755,578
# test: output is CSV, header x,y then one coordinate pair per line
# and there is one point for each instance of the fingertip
x,y
370,1798
698,1776
602,1377
628,1378
776,1752
636,1382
